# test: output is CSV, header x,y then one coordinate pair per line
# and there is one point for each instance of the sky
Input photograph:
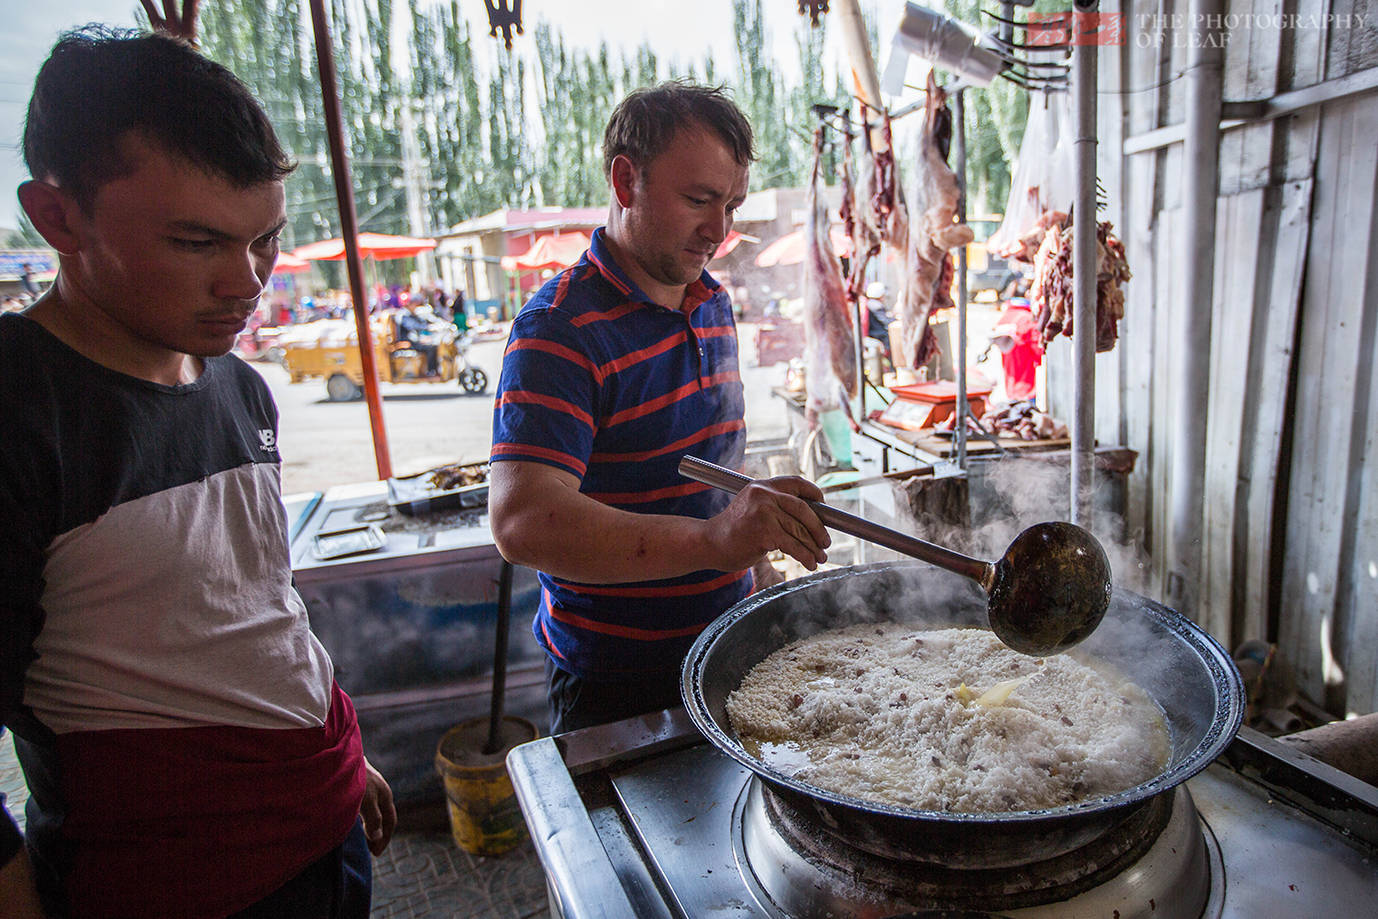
x,y
677,29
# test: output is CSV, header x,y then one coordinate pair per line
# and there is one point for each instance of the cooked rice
x,y
889,713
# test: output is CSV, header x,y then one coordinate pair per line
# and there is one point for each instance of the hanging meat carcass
x,y
880,201
1112,270
934,231
858,220
1052,286
829,343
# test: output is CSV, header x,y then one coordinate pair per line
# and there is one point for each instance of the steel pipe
x,y
1084,62
1205,76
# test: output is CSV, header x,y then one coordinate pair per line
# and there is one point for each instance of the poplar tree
x,y
522,129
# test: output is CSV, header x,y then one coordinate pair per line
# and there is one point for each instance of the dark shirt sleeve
x,y
29,464
21,587
21,584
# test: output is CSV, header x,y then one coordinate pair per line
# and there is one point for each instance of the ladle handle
x,y
699,470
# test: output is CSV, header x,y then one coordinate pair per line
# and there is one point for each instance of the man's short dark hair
x,y
645,122
100,84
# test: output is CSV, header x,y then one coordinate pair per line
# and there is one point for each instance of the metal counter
x,y
642,818
411,627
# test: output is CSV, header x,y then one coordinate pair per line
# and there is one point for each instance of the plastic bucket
x,y
484,816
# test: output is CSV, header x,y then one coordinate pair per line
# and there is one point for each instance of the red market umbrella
x,y
731,241
379,246
289,264
553,252
790,248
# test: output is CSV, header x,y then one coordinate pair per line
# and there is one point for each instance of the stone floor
x,y
422,875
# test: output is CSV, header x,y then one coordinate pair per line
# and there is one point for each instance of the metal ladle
x,y
1048,591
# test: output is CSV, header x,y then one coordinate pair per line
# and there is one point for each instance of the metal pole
x,y
349,225
495,706
1084,272
1201,160
960,438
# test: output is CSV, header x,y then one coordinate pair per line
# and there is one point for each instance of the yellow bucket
x,y
484,816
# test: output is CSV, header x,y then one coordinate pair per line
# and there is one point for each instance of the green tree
x,y
995,119
472,124
452,123
758,95
511,182
802,98
575,94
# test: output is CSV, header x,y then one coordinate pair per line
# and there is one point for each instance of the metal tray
x,y
358,540
414,495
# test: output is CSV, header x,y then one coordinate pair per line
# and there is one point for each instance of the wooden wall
x,y
1290,513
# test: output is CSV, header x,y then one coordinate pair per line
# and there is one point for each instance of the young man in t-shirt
x,y
186,747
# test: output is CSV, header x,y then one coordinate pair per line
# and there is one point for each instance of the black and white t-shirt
x,y
146,605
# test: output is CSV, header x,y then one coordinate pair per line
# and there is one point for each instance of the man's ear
x,y
53,213
623,178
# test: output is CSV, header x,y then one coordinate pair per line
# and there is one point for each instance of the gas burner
x,y
1157,861
642,818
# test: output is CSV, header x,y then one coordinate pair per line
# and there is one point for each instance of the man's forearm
x,y
541,520
586,541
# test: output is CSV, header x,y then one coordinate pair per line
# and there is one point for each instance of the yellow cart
x,y
337,361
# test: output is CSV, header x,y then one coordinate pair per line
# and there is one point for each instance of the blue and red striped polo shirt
x,y
603,383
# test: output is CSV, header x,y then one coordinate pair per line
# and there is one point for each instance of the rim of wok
x,y
1225,722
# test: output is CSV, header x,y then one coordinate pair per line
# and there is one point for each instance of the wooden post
x,y
349,226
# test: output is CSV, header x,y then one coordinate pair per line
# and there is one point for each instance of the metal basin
x,y
1187,673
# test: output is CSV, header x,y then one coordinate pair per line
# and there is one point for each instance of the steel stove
x,y
645,819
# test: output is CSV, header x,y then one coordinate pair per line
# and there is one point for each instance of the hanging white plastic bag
x,y
1043,186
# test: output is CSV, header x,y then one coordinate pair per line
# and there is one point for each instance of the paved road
x,y
327,443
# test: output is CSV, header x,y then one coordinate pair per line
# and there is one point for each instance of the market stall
x,y
402,584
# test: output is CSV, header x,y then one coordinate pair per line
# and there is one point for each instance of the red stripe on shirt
x,y
717,331
632,358
670,398
646,497
612,315
526,397
502,450
557,350
545,633
678,590
697,293
708,433
613,279
622,631
563,287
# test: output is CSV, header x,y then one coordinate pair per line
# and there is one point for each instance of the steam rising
x,y
1013,494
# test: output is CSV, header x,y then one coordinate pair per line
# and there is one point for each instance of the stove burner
x,y
798,867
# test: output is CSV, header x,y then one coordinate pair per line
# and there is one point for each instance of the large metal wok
x,y
1186,671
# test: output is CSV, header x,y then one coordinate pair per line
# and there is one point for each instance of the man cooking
x,y
187,749
614,370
